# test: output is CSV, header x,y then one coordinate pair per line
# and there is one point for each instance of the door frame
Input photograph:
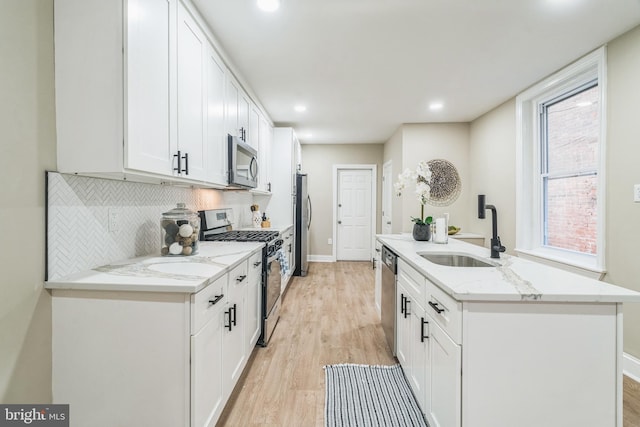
x,y
374,203
388,163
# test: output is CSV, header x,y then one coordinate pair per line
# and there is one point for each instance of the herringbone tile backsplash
x,y
79,208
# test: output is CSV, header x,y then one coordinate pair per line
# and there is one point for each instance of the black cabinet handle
x,y
235,312
407,305
422,335
401,303
434,305
215,300
241,278
179,157
255,264
186,163
228,314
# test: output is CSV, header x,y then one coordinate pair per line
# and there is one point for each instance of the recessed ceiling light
x,y
269,5
300,108
434,106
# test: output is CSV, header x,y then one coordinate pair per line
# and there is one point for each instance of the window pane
x,y
571,213
573,128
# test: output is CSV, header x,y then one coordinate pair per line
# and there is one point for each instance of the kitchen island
x,y
515,343
156,340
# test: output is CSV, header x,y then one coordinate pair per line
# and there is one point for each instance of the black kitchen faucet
x,y
496,246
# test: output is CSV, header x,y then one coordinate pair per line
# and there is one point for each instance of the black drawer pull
x,y
241,278
228,314
401,303
235,313
434,305
407,304
255,264
216,299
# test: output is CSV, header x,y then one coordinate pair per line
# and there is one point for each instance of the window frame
x,y
529,191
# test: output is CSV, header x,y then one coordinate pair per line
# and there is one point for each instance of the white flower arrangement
x,y
422,179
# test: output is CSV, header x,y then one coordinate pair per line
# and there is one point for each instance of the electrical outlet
x,y
114,220
329,241
636,193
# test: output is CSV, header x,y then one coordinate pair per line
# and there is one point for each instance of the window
x,y
560,188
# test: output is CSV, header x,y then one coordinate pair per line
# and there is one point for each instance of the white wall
x,y
623,171
27,123
448,141
492,160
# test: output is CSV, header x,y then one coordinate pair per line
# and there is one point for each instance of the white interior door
x,y
387,194
354,215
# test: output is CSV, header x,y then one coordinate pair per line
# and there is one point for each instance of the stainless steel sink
x,y
454,260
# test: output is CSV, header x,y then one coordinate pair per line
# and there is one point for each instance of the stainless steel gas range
x,y
216,225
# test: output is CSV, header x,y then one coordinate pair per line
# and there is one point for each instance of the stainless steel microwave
x,y
243,163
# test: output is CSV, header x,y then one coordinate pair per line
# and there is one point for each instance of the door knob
x,y
339,222
389,222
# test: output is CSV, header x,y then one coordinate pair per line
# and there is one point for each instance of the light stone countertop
x,y
162,273
513,278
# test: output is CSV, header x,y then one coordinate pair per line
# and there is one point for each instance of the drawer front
x,y
412,280
238,277
207,303
255,268
445,310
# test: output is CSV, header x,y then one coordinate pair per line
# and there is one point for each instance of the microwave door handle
x,y
253,166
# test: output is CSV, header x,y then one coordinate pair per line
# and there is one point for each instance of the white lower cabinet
x,y
430,359
207,399
184,353
508,363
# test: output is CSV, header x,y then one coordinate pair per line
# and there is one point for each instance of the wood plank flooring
x,y
327,317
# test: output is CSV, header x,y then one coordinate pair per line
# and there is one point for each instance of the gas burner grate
x,y
243,236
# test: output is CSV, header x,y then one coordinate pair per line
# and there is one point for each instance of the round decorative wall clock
x,y
445,183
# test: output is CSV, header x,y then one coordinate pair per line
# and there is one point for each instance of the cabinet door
x,y
253,310
419,377
244,106
216,146
233,342
149,50
446,378
253,137
403,328
206,369
192,94
233,92
264,154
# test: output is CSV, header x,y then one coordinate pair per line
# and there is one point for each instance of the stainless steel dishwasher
x,y
388,296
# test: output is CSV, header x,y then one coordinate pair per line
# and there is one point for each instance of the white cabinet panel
x,y
148,48
216,141
254,306
206,370
445,365
192,54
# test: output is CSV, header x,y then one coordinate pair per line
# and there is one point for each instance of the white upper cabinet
x,y
253,137
216,141
238,110
192,97
142,94
265,142
148,51
113,86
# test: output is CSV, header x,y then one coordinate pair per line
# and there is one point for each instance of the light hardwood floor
x,y
327,317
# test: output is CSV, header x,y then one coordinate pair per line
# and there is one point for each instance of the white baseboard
x,y
321,258
631,367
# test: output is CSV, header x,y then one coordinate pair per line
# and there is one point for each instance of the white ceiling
x,y
363,67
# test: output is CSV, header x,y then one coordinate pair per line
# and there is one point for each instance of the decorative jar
x,y
180,231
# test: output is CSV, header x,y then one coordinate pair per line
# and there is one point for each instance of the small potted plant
x,y
422,179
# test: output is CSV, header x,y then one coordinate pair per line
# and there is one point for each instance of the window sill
x,y
549,257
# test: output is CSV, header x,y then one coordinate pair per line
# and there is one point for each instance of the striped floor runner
x,y
362,395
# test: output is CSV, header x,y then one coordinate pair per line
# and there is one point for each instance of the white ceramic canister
x,y
180,231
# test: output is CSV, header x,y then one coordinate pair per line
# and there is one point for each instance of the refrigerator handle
x,y
310,211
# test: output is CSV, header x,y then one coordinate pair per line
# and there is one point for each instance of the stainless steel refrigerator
x,y
302,223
